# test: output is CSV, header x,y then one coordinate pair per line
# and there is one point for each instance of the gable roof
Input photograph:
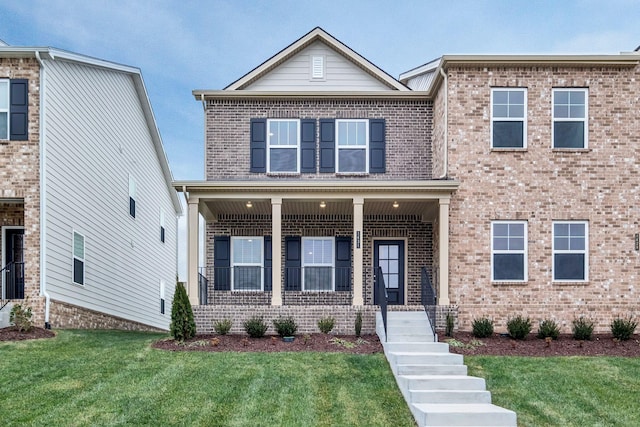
x,y
312,36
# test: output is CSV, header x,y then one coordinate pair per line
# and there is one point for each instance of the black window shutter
x,y
327,145
258,146
292,263
222,263
343,263
267,263
376,146
308,146
19,110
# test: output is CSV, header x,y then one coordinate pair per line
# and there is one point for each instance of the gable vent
x,y
317,67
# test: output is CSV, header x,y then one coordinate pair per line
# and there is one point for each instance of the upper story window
x,y
4,109
317,263
352,155
283,145
509,251
570,251
570,112
132,196
246,262
162,230
508,118
78,258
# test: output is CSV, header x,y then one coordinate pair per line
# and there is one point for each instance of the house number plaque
x,y
358,240
637,241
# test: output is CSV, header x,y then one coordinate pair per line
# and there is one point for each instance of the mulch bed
x,y
565,345
13,334
367,344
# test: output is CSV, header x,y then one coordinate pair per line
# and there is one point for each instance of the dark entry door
x,y
389,255
14,253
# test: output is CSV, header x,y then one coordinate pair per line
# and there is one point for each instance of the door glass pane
x,y
393,252
383,252
393,266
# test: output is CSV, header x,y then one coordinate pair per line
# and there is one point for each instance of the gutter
x,y
43,194
446,125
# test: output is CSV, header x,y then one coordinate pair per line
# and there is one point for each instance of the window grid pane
x,y
570,251
509,251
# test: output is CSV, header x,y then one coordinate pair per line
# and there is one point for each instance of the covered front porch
x,y
316,243
12,249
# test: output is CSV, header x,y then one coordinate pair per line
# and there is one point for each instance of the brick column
x,y
358,215
192,251
443,253
276,251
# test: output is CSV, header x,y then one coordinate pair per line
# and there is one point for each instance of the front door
x,y
14,253
389,255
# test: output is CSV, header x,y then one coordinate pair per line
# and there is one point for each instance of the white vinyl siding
x,y
247,262
570,251
570,112
340,74
4,109
317,263
283,146
509,251
508,118
96,135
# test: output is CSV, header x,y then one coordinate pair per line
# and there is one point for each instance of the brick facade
x,y
539,185
68,316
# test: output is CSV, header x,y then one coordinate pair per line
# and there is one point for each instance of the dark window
x,y
132,207
162,234
570,118
508,118
509,249
508,134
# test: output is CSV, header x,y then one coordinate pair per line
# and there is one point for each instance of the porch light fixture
x,y
395,204
323,204
249,204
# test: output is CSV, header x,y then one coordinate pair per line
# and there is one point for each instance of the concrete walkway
x,y
433,381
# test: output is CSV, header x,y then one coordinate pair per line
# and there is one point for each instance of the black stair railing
x,y
428,294
13,283
381,297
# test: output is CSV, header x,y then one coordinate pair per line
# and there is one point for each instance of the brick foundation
x,y
67,316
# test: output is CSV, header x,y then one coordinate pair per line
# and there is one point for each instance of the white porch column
x,y
192,251
276,251
358,276
443,253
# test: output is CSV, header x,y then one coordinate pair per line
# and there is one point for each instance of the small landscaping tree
x,y
622,329
358,324
582,329
20,316
182,326
285,327
326,324
482,327
548,328
519,327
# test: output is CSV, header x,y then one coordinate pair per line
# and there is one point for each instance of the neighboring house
x,y
87,210
506,181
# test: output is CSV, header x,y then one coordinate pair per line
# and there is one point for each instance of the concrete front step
x,y
441,382
479,414
449,396
414,358
417,347
431,369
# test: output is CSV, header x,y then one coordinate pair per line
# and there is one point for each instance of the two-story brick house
x,y
87,211
507,180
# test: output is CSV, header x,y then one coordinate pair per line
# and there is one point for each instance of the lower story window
x,y
317,264
570,253
247,263
509,251
78,258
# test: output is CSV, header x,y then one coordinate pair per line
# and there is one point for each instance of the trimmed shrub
x,y
358,323
285,327
255,327
450,322
222,327
622,329
482,327
519,327
582,329
182,326
20,316
326,324
548,328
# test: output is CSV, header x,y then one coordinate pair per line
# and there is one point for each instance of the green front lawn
x,y
115,378
564,391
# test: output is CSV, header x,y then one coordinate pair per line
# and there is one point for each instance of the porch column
x,y
443,253
192,251
276,251
358,215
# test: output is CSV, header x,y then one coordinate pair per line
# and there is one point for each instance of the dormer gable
x,y
317,62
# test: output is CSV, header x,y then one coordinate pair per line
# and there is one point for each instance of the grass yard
x,y
114,378
564,391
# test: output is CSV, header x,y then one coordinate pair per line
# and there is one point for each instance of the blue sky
x,y
186,45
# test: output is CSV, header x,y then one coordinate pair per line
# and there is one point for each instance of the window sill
x,y
585,283
510,283
570,150
283,174
352,174
508,149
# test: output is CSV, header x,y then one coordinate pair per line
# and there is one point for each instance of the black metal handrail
x,y
13,283
381,297
203,288
428,295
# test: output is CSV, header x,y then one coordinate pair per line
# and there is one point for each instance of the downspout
x,y
43,196
446,125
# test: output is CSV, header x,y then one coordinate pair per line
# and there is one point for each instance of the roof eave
x,y
225,94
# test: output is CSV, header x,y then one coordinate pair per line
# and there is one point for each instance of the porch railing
x,y
252,285
381,297
13,280
428,295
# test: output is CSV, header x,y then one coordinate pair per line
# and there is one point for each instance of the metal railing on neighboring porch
x,y
13,281
428,295
381,297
